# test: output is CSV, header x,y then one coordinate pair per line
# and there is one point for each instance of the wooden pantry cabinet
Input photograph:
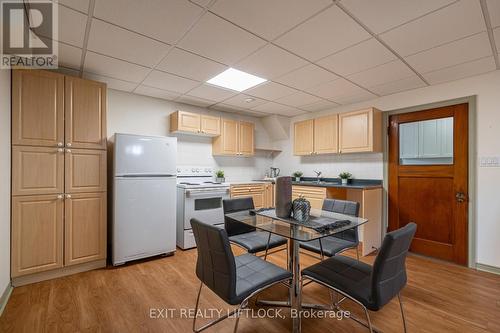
x,y
194,123
236,139
360,131
58,175
316,136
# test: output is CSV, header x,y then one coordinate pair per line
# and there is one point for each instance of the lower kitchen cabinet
x,y
315,195
269,195
256,191
37,233
85,228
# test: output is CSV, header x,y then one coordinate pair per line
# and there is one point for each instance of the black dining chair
x,y
371,287
234,279
245,236
333,245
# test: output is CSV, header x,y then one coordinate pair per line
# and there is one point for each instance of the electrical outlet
x,y
489,162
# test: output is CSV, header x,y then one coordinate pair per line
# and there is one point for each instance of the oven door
x,y
205,205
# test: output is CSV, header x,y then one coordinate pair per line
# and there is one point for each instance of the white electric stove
x,y
200,197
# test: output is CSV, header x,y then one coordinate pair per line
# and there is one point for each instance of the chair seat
x,y
331,245
256,241
346,274
253,273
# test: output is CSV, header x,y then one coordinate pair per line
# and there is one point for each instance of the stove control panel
x,y
195,171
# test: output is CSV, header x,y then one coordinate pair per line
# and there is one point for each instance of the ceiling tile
x,y
155,92
211,93
471,68
270,91
190,65
220,40
307,76
67,71
123,44
461,19
298,99
203,3
244,101
69,56
408,83
494,10
252,113
319,106
270,62
265,18
225,107
392,71
334,88
194,101
355,97
80,5
163,20
454,53
357,58
169,82
324,34
100,64
276,108
382,15
71,26
110,82
496,33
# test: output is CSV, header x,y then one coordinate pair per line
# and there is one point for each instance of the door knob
x,y
460,196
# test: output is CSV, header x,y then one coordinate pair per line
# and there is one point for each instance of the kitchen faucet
x,y
318,175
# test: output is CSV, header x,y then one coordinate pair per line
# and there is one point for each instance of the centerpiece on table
x,y
301,209
345,177
297,175
219,176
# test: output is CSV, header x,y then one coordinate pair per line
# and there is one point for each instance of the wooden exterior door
x,y
303,137
37,108
431,191
85,228
85,170
37,170
325,135
246,138
37,234
85,113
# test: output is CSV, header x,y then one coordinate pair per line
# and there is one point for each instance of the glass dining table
x,y
297,232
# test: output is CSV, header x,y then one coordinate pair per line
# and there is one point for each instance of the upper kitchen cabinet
x,y
360,131
37,108
236,138
194,123
316,136
85,113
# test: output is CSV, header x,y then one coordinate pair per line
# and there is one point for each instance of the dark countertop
x,y
359,184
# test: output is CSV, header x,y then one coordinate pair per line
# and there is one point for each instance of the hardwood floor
x,y
439,297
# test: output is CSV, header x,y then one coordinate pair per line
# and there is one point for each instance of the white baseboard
x,y
4,298
488,268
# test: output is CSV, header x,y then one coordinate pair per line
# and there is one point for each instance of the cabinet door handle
x,y
59,196
68,144
68,196
60,150
68,150
60,144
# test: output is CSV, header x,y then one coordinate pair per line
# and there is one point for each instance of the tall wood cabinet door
x,y
85,170
189,122
85,113
325,135
210,125
246,138
85,228
37,170
37,108
37,234
356,131
303,137
227,142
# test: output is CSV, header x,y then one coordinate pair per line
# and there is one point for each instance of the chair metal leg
x,y
241,307
321,250
368,319
402,311
267,246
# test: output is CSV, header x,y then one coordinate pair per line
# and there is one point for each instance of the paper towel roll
x,y
283,196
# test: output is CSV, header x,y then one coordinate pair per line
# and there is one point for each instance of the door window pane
x,y
427,142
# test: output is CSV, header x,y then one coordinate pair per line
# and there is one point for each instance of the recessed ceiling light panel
x,y
236,80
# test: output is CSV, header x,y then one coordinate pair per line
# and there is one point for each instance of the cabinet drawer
x,y
247,188
309,191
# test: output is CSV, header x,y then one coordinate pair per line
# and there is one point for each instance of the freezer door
x,y
144,219
141,155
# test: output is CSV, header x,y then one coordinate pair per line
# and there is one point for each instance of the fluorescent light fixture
x,y
236,80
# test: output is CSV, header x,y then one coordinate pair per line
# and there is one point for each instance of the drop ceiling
x,y
315,54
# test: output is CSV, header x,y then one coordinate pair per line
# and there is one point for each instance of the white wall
x,y
129,113
487,89
4,179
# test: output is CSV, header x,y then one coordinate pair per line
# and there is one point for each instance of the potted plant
x,y
297,175
219,176
345,177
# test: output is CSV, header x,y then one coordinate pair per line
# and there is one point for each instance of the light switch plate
x,y
489,162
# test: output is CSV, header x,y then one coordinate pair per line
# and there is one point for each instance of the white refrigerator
x,y
144,197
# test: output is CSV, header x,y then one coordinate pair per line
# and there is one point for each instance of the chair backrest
x,y
389,269
237,205
215,266
344,207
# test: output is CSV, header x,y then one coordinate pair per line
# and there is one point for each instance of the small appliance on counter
x,y
198,196
275,172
